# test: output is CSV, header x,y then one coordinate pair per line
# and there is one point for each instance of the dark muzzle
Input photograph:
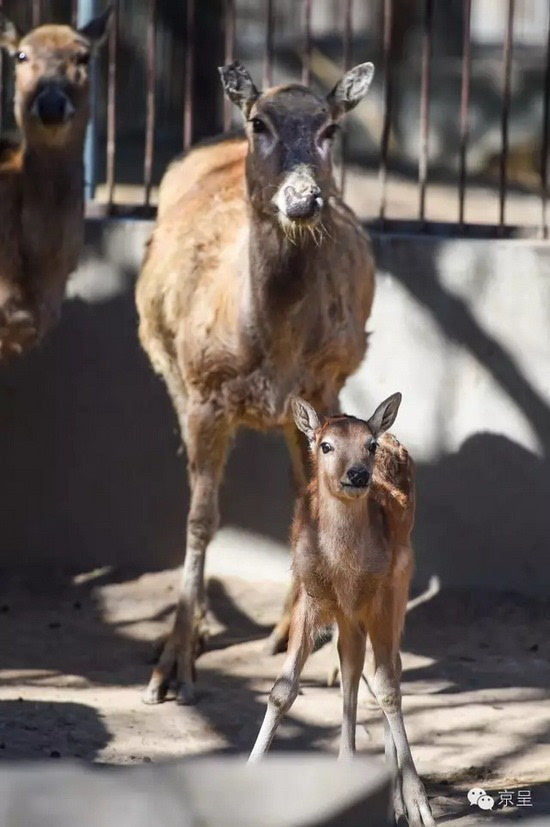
x,y
302,202
52,106
358,477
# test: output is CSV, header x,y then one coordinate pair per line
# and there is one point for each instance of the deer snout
x,y
358,476
299,197
52,106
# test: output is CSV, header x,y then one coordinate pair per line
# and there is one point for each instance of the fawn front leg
x,y
285,688
206,438
384,631
351,652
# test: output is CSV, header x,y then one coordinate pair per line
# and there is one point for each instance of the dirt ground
x,y
75,653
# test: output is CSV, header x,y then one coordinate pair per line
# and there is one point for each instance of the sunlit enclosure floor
x,y
76,651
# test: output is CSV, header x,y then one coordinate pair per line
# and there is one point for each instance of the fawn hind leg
x,y
384,625
285,689
206,436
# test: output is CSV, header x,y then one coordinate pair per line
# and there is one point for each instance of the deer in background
x,y
256,286
41,182
352,563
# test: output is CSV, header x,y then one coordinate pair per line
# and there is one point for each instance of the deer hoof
x,y
185,694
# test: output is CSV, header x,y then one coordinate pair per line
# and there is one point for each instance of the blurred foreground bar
x,y
282,791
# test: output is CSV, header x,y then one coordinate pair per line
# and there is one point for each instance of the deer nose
x,y
52,106
359,476
302,201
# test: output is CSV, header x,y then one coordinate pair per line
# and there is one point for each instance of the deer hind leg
x,y
206,434
285,689
351,652
384,626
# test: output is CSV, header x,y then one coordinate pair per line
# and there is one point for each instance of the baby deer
x,y
352,563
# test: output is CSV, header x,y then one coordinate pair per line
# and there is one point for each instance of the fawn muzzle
x,y
358,477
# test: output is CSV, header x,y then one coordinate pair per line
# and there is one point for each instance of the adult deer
x,y
352,561
256,286
41,182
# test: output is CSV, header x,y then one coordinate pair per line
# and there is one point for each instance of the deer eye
x,y
372,447
258,126
326,447
21,57
82,59
330,131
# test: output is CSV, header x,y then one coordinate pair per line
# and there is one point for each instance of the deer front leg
x,y
206,438
285,688
384,635
351,652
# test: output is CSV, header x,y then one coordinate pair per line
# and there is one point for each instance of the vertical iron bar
x,y
464,108
545,150
150,102
36,10
306,56
88,9
506,83
189,75
111,107
229,53
1,83
425,109
346,61
385,142
74,13
268,52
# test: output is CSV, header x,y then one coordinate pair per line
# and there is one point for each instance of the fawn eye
x,y
326,447
258,126
21,57
372,447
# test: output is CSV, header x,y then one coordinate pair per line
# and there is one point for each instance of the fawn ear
x,y
9,36
238,86
305,417
384,416
351,89
97,29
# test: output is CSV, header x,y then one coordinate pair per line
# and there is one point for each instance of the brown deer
x,y
352,562
41,182
256,286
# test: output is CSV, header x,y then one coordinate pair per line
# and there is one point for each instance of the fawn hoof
x,y
185,694
419,813
17,332
154,694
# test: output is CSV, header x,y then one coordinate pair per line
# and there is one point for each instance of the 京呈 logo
x,y
484,801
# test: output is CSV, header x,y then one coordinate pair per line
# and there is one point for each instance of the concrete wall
x,y
88,442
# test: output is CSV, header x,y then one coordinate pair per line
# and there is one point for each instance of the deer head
x,y
51,77
290,132
344,448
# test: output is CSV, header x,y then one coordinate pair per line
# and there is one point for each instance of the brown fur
x,y
41,185
239,310
352,564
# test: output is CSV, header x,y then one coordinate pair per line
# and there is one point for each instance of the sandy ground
x,y
75,654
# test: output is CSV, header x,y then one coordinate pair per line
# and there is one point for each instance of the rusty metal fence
x,y
351,32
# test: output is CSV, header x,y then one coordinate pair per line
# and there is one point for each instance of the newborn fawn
x,y
352,562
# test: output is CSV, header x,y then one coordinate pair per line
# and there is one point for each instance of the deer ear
x,y
305,417
97,29
351,89
384,416
9,35
238,86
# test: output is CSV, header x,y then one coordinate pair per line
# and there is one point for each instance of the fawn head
x,y
290,131
51,77
344,448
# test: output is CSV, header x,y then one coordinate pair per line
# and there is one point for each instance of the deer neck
x,y
344,528
282,271
53,179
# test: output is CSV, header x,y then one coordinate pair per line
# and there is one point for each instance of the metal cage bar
x,y
423,159
268,47
189,75
505,112
150,115
111,109
229,56
545,149
306,55
386,125
464,108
